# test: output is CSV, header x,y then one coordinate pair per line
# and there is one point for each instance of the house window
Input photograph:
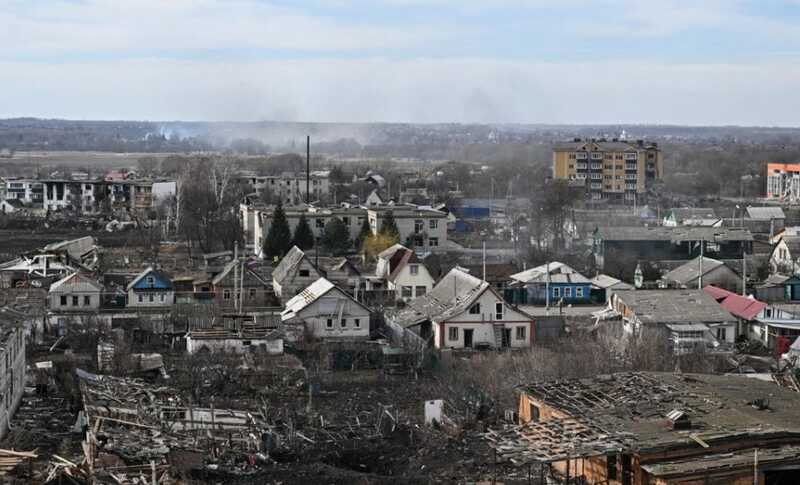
x,y
567,292
346,221
304,273
433,224
406,292
475,309
251,292
535,413
557,292
420,291
151,298
767,312
357,322
520,333
419,226
226,294
151,281
63,300
141,298
74,301
611,467
433,241
721,333
320,223
163,297
414,269
87,300
343,323
498,310
579,292
329,323
452,333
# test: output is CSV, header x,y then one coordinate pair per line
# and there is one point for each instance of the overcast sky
x,y
531,61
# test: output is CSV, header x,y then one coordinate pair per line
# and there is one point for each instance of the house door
x,y
506,337
468,338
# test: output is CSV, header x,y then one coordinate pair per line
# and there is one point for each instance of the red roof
x,y
738,305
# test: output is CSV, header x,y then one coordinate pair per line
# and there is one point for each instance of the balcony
x,y
581,156
582,166
596,186
597,166
630,177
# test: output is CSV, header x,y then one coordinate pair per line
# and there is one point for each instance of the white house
x,y
463,311
785,257
424,227
400,270
326,311
75,292
151,288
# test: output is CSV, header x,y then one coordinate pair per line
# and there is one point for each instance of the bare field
x,y
81,159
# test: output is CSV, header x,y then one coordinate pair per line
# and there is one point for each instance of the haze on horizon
x,y
717,62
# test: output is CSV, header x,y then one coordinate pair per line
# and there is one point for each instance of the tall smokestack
x,y
308,169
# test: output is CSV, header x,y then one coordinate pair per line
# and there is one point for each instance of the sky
x,y
700,62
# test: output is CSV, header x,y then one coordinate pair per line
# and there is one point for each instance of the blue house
x,y
151,288
563,282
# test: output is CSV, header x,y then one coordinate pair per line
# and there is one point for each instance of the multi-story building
x,y
420,227
26,190
783,181
291,187
615,170
317,218
12,366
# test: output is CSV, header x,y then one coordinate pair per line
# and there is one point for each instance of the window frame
x,y
475,309
520,333
452,334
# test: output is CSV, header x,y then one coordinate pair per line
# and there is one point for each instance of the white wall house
x,y
463,311
75,292
293,273
399,269
150,289
326,311
785,258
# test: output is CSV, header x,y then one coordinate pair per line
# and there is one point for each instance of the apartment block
x,y
616,170
783,181
291,187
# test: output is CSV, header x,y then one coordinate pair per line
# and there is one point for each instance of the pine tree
x,y
389,227
366,231
336,239
279,238
303,237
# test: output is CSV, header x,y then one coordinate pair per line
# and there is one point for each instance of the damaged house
x,y
325,311
689,318
400,270
293,273
463,311
656,429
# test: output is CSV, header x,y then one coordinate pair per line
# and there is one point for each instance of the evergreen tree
x,y
303,237
366,231
389,227
336,239
279,238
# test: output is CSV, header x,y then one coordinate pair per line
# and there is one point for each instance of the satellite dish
x,y
638,277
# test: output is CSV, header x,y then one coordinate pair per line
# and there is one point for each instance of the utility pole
x,y
700,274
308,169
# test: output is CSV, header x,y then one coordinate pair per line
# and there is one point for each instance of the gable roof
x,y
673,306
452,295
310,294
690,271
766,213
793,245
287,264
684,213
605,282
76,279
158,274
559,273
398,257
738,305
227,269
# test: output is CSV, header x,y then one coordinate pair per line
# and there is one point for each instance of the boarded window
x,y
452,333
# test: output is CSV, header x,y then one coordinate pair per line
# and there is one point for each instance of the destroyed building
x,y
656,428
12,364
